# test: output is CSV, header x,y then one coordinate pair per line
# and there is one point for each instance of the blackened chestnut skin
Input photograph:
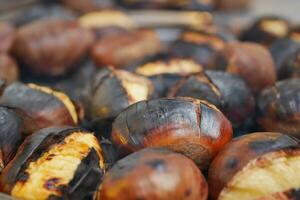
x,y
286,57
156,168
38,109
278,108
239,152
226,91
10,135
51,47
9,71
194,128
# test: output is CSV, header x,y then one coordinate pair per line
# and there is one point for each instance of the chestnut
x,y
254,166
56,162
252,62
154,174
122,49
201,46
232,4
40,106
114,90
226,91
10,135
278,107
165,72
286,55
9,71
51,46
84,6
7,36
266,30
189,126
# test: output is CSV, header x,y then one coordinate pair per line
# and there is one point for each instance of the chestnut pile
x,y
108,100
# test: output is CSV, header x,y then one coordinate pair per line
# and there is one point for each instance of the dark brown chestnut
x,y
56,162
84,6
10,135
200,46
189,126
254,166
7,36
226,91
266,30
278,107
286,55
40,106
51,47
125,48
154,174
252,62
9,71
164,73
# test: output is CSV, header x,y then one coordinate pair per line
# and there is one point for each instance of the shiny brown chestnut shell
x,y
250,61
266,30
278,108
201,46
165,72
154,174
245,153
125,48
51,46
40,106
56,162
285,53
226,91
7,36
10,135
9,71
192,127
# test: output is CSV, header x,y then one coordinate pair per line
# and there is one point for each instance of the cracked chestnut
x,y
256,166
189,126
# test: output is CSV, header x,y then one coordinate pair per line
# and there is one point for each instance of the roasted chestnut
x,y
232,4
255,166
200,46
9,71
10,135
7,36
114,90
164,73
278,107
189,126
251,61
84,6
226,91
125,48
56,162
40,106
266,30
51,46
154,174
286,55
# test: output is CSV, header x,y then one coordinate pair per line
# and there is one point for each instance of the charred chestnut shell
x,y
9,71
226,91
165,72
7,36
114,90
203,47
266,30
278,108
51,46
58,162
189,126
125,48
252,62
156,168
10,135
286,55
40,106
250,152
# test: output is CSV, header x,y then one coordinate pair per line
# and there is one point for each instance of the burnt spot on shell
x,y
187,193
51,184
157,164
